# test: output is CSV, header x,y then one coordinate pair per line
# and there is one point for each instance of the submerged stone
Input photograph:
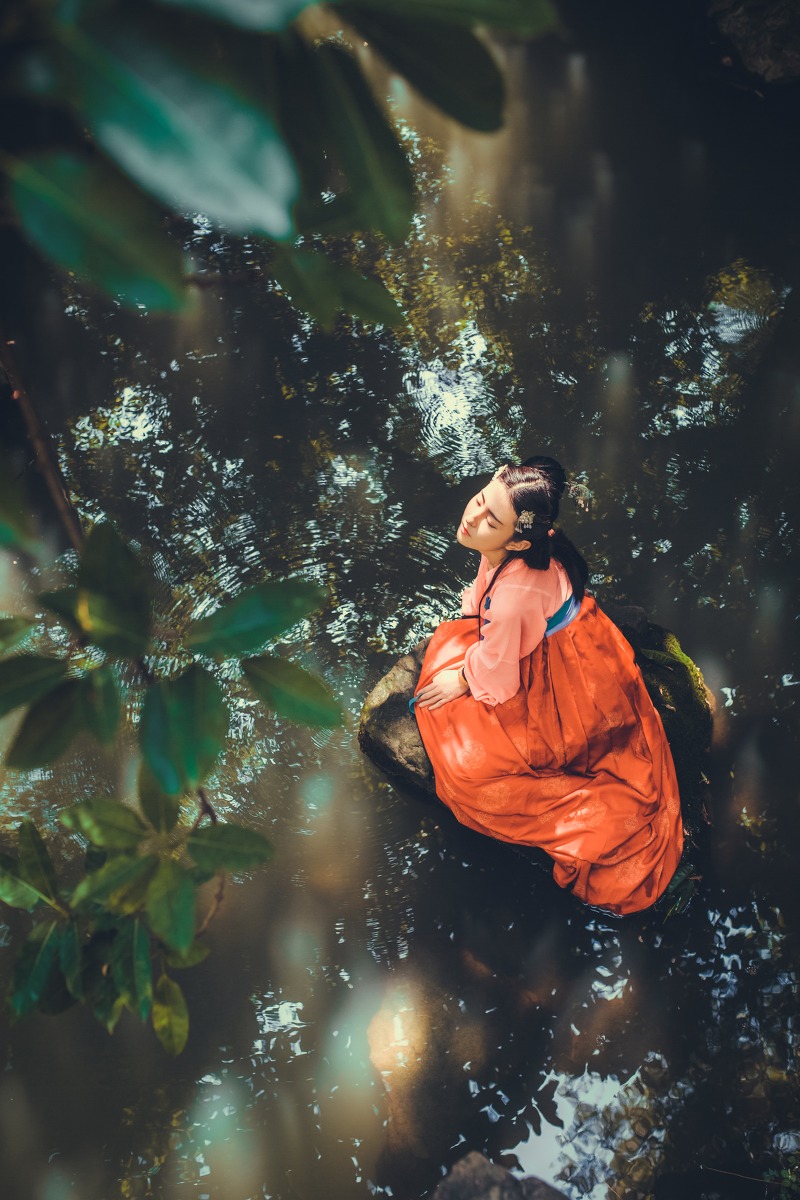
x,y
475,1178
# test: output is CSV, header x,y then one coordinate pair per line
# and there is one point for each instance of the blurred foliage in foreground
x,y
107,938
255,114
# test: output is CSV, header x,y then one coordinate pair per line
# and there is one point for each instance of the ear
x,y
520,545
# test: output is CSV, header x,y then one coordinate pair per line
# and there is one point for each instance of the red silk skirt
x,y
576,762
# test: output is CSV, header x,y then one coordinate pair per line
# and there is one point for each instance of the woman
x,y
534,714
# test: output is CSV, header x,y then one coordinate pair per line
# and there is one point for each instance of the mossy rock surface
x,y
388,732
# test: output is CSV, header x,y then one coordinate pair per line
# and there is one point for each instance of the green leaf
x,y
527,18
100,703
323,289
227,848
70,955
35,961
196,953
98,979
106,823
64,603
263,15
49,727
449,66
254,617
292,691
365,145
114,879
13,630
13,888
27,677
189,129
183,728
35,864
88,218
170,1015
114,594
107,1005
131,967
161,810
170,906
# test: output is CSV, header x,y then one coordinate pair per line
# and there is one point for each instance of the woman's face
x,y
488,523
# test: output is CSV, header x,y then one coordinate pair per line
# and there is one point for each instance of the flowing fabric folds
x,y
576,762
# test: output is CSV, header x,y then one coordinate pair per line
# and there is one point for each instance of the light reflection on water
x,y
393,991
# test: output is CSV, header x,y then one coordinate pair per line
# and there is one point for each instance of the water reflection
x,y
393,991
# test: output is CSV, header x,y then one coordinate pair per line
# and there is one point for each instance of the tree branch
x,y
44,451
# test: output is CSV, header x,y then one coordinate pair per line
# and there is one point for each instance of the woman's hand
x,y
444,687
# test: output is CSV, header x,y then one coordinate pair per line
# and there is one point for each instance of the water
x,y
604,282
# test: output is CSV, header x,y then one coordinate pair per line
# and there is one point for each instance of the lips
x,y
465,531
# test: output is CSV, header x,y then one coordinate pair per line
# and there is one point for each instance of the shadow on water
x,y
611,283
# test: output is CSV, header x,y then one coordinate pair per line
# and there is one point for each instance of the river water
x,y
607,281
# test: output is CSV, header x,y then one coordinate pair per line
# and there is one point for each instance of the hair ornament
x,y
525,520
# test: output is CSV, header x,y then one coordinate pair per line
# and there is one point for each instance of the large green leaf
x,y
170,1015
227,848
70,956
245,623
64,603
170,906
183,728
98,979
363,143
13,888
35,961
526,18
114,600
130,964
27,677
100,703
49,727
13,630
114,879
87,217
263,15
450,66
186,126
292,691
196,953
324,289
106,823
161,810
35,864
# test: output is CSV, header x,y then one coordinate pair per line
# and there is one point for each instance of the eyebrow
x,y
491,514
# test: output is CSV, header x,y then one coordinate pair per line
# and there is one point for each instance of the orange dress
x,y
558,744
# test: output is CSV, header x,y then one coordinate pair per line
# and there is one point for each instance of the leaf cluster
x,y
255,113
108,940
107,943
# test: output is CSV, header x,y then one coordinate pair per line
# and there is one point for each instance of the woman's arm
x,y
444,687
491,666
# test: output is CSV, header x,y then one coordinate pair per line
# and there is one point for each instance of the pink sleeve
x,y
492,664
469,599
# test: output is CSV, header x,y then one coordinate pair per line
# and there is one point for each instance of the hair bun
x,y
548,466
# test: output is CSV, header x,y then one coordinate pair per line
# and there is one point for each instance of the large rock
x,y
475,1178
765,35
388,732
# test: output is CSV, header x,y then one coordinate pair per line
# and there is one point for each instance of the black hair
x,y
535,488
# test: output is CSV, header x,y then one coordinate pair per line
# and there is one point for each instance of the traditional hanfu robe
x,y
557,744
